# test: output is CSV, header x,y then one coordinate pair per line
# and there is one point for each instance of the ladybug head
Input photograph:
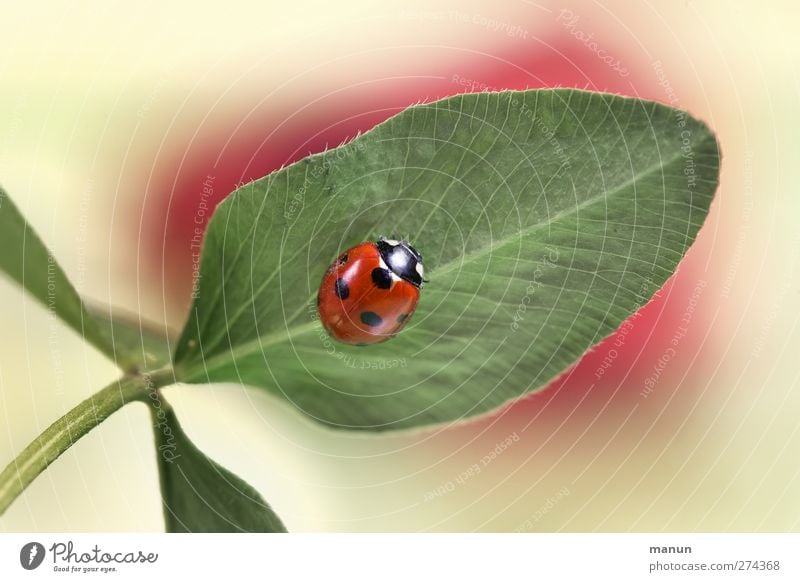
x,y
402,259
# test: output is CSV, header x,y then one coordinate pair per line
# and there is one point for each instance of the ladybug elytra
x,y
370,291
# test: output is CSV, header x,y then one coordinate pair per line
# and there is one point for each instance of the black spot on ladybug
x,y
341,289
402,317
382,278
371,318
343,259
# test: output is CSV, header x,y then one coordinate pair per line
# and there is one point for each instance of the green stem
x,y
68,429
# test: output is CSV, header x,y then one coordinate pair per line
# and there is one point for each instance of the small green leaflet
x,y
25,259
199,495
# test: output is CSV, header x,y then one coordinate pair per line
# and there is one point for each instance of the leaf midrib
x,y
260,342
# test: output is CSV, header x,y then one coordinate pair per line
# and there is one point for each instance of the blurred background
x,y
112,115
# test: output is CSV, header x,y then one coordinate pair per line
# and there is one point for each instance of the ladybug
x,y
370,291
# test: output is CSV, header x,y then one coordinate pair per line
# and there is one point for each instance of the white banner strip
x,y
400,557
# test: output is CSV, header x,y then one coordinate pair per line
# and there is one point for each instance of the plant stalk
x,y
68,429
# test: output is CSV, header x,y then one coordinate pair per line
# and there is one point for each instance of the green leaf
x,y
545,219
198,495
26,260
144,343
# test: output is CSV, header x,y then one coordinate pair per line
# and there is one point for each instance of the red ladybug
x,y
370,291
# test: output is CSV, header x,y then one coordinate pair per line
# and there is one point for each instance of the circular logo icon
x,y
31,555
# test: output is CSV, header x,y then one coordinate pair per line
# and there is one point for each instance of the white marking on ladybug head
x,y
420,270
385,267
394,243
